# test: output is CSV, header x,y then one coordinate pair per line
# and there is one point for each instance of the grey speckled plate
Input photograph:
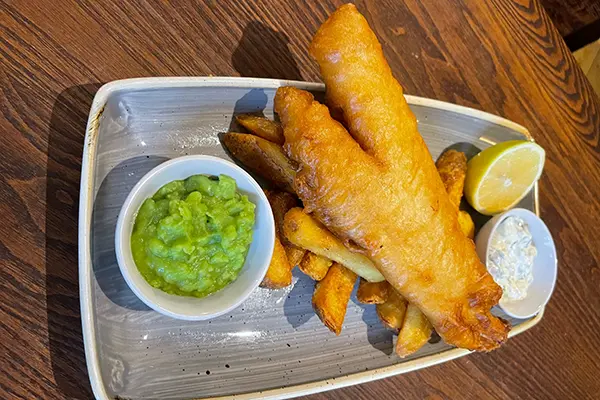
x,y
271,346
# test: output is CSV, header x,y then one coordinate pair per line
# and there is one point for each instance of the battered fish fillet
x,y
379,189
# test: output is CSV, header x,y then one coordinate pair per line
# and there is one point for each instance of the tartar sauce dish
x,y
511,254
519,253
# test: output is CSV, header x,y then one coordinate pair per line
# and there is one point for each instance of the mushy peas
x,y
192,236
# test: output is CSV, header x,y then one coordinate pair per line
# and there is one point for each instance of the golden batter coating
x,y
379,189
452,167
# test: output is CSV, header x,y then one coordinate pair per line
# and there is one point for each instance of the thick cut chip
x,y
331,296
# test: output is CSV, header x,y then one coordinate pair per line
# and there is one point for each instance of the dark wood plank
x,y
501,56
569,16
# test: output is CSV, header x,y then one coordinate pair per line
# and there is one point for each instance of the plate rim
x,y
86,207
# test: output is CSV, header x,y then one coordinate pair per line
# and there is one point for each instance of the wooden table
x,y
500,56
571,16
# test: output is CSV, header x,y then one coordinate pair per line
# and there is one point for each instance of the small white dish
x,y
257,259
544,264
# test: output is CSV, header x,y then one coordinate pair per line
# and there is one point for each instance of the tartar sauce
x,y
511,256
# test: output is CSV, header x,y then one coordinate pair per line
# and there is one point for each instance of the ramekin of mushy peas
x,y
192,236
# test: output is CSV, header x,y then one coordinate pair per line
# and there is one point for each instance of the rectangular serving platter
x,y
273,346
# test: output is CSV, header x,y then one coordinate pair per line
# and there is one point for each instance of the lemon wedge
x,y
501,175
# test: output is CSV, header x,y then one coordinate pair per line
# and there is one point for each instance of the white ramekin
x,y
257,259
544,265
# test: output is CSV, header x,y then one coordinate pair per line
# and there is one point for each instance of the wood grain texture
x,y
500,56
569,16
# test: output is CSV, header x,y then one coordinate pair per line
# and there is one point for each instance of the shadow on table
x,y
113,191
263,53
65,146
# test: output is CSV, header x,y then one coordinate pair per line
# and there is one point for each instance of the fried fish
x,y
378,189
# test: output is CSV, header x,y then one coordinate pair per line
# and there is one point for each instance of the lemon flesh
x,y
500,176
